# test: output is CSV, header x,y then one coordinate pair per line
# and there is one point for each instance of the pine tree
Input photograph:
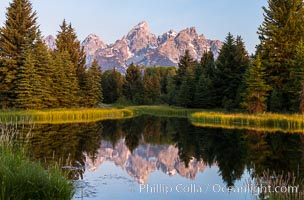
x,y
65,85
34,70
206,66
241,57
296,86
152,87
256,92
133,87
243,61
44,70
94,88
279,34
171,88
204,93
275,100
24,89
301,106
185,81
231,65
67,41
112,83
185,63
225,63
20,31
187,90
204,96
71,88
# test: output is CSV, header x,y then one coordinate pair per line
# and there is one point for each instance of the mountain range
x,y
142,47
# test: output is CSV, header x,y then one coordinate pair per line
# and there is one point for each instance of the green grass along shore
x,y
199,117
60,116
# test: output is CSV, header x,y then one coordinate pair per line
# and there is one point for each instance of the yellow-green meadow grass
x,y
65,115
263,122
266,121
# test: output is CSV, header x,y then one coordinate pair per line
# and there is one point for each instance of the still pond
x,y
150,157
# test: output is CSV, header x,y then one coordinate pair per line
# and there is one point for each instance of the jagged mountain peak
x,y
202,36
169,34
141,28
142,47
91,44
189,32
141,25
166,36
92,36
50,42
93,41
140,39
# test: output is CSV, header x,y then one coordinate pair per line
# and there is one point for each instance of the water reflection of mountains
x,y
145,144
144,160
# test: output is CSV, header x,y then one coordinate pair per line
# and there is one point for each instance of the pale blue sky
x,y
111,19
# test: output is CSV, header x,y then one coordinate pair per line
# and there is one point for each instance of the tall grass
x,y
287,123
65,115
275,186
268,122
21,178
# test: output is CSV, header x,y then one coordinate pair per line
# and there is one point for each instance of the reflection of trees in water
x,y
214,146
279,152
229,154
231,150
234,150
65,144
151,129
133,130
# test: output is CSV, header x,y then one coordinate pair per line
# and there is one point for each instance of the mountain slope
x,y
142,47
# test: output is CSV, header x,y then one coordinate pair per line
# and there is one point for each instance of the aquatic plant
x,y
65,115
274,186
286,122
22,178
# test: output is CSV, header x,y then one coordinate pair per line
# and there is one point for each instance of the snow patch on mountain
x,y
142,47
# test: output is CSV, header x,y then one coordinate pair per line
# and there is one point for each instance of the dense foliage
x,y
33,77
255,94
280,34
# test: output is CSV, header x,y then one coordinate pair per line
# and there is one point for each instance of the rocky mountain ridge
x,y
142,47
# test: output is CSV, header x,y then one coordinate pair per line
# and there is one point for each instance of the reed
x,y
22,178
65,115
267,121
279,186
285,123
